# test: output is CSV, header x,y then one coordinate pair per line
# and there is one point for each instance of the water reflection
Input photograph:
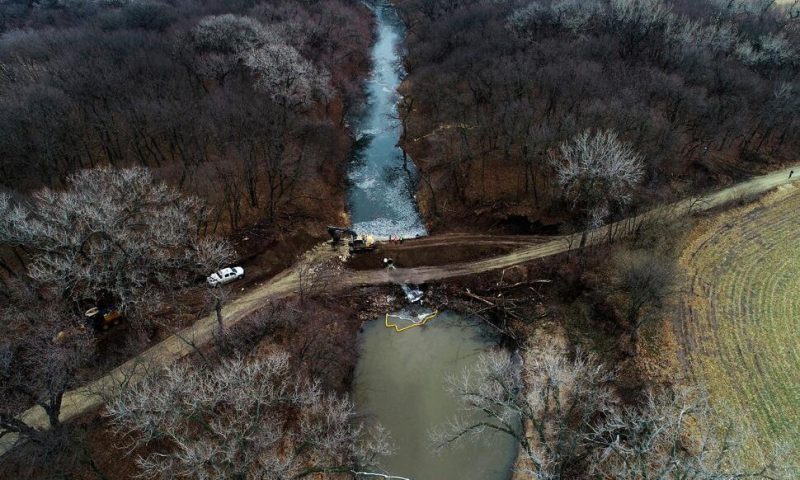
x,y
400,380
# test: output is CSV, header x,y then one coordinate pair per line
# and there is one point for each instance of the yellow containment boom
x,y
420,323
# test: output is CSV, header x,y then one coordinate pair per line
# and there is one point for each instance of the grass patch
x,y
741,330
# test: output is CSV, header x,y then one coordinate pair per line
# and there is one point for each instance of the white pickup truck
x,y
226,275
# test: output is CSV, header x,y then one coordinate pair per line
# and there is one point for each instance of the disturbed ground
x,y
322,271
441,250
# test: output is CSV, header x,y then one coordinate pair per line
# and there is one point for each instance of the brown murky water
x,y
400,380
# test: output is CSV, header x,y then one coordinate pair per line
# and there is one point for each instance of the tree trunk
x,y
220,320
634,348
54,409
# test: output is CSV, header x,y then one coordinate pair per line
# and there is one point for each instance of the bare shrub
x,y
545,404
674,435
243,419
647,279
569,424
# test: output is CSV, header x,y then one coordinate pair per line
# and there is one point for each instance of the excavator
x,y
358,243
103,318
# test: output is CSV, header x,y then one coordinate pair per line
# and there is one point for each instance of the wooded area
x,y
137,136
144,141
240,103
705,91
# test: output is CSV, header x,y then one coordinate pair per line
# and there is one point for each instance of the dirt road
x,y
177,346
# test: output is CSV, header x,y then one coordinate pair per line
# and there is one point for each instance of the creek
x,y
400,375
382,179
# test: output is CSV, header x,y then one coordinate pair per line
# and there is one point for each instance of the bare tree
x,y
217,296
647,279
598,173
545,405
773,49
118,233
573,425
286,76
218,42
243,419
221,44
675,435
42,349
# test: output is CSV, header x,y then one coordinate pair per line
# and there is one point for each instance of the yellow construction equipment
x,y
103,319
358,243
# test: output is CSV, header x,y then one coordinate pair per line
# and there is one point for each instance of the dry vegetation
x,y
521,111
740,317
239,103
704,91
137,135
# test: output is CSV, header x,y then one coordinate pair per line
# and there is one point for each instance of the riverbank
x,y
267,246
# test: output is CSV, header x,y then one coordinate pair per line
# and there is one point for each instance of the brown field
x,y
740,327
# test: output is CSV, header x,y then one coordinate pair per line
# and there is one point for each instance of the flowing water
x,y
383,181
399,381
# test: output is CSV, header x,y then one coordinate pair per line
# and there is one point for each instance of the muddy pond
x,y
400,382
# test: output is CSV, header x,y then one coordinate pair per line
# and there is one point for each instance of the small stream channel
x,y
400,376
383,180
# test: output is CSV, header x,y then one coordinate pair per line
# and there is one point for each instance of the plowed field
x,y
741,322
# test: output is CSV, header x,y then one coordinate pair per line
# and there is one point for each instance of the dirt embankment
x,y
441,250
513,210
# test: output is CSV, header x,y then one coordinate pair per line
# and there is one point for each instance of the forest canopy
x,y
240,103
705,91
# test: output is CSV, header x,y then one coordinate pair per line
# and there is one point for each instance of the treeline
x,y
134,135
241,103
703,90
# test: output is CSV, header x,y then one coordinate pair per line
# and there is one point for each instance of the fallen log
x,y
503,308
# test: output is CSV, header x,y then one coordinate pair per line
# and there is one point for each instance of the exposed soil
x,y
263,255
286,283
439,250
